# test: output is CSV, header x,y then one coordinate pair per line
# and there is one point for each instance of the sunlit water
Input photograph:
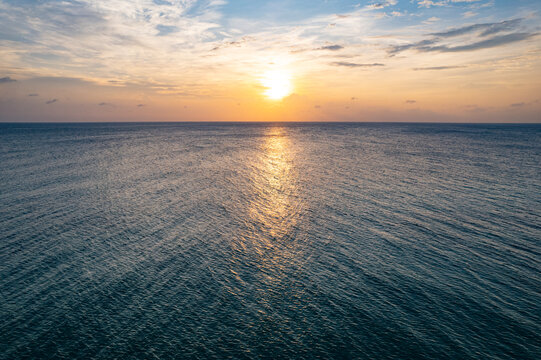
x,y
270,241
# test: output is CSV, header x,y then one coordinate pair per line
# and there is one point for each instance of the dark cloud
x,y
411,101
425,46
105,104
484,44
140,105
354,65
58,80
487,29
399,48
51,101
6,79
317,107
33,94
353,98
516,105
438,68
484,36
331,47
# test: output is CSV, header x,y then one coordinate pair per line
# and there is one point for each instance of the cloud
x,y
33,94
105,104
331,47
86,34
381,4
481,31
484,44
51,101
516,105
354,65
429,3
431,20
487,28
6,79
140,105
399,48
437,68
411,101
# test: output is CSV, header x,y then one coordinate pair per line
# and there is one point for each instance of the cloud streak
x,y
484,29
355,65
488,35
433,68
6,80
331,47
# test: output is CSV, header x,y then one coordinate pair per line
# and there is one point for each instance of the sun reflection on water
x,y
270,248
274,207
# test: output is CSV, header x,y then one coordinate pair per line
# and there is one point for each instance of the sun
x,y
277,84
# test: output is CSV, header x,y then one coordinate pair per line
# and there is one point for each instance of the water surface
x,y
367,241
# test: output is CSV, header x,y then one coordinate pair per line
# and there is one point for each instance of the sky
x,y
281,60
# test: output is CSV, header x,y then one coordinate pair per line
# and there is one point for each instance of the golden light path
x,y
269,241
277,84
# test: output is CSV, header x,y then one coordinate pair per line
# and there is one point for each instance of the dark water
x,y
270,241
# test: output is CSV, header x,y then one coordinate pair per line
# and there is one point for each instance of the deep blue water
x,y
361,241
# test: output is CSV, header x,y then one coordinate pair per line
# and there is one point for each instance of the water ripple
x,y
270,241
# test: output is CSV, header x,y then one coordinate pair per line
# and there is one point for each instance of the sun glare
x,y
277,84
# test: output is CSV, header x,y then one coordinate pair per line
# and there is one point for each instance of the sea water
x,y
263,241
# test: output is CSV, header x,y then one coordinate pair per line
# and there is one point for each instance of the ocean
x,y
270,241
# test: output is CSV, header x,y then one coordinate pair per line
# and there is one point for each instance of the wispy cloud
x,y
6,79
484,44
431,68
484,29
429,3
381,4
487,36
48,102
331,47
354,65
